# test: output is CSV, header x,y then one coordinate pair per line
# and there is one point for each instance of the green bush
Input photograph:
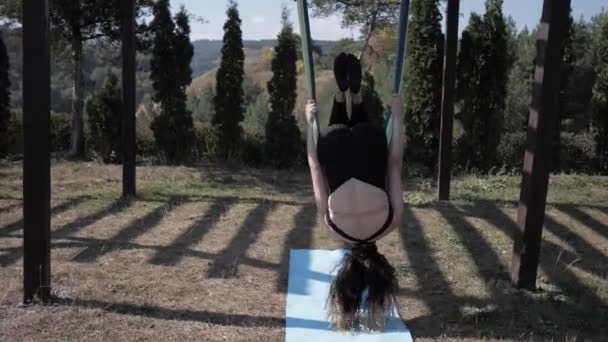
x,y
252,150
14,135
60,131
207,146
206,142
105,121
511,150
146,146
578,152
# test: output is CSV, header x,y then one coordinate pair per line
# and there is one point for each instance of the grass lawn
x,y
202,254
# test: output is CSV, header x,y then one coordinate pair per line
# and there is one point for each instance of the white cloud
x,y
258,19
330,28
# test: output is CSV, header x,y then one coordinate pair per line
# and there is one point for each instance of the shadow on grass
x,y
587,257
11,207
227,261
563,306
281,181
435,292
583,218
75,226
86,243
149,311
58,209
14,255
137,227
171,255
299,237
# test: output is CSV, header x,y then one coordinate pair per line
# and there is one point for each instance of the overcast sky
x,y
262,18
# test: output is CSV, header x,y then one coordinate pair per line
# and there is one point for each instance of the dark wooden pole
x,y
541,128
36,152
447,102
128,98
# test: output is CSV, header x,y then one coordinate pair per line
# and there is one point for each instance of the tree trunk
x,y
77,134
370,31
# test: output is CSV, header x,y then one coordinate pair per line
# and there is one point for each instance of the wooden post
x,y
447,101
36,152
128,98
541,126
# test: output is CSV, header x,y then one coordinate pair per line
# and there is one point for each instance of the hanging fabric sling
x,y
309,65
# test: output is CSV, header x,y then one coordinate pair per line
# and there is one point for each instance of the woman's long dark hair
x,y
363,271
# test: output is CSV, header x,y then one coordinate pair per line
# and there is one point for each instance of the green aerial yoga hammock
x,y
309,66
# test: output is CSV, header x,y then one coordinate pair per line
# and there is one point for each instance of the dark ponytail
x,y
364,270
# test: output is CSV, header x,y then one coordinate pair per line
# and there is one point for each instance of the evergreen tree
x,y
600,93
371,99
472,97
495,75
171,74
228,101
423,82
79,21
283,140
567,69
519,84
498,55
5,99
483,66
105,121
182,117
163,59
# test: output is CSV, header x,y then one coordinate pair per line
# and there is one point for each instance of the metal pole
x,y
541,126
400,57
36,152
447,102
404,12
307,48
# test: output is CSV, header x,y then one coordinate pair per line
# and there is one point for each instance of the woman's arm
x,y
318,180
395,162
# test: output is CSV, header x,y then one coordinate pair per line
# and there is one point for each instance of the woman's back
x,y
358,208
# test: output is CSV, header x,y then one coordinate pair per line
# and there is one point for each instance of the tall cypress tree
x,y
483,65
600,94
5,98
495,77
182,118
163,59
228,101
423,82
283,141
171,74
472,96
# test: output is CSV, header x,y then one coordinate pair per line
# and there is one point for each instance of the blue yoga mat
x,y
310,275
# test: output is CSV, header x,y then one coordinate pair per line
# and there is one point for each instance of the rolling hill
x,y
207,53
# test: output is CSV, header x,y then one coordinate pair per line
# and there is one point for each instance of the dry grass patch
x,y
202,254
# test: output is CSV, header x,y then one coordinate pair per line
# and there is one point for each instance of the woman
x,y
356,178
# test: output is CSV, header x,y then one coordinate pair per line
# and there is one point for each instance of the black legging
x,y
353,148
